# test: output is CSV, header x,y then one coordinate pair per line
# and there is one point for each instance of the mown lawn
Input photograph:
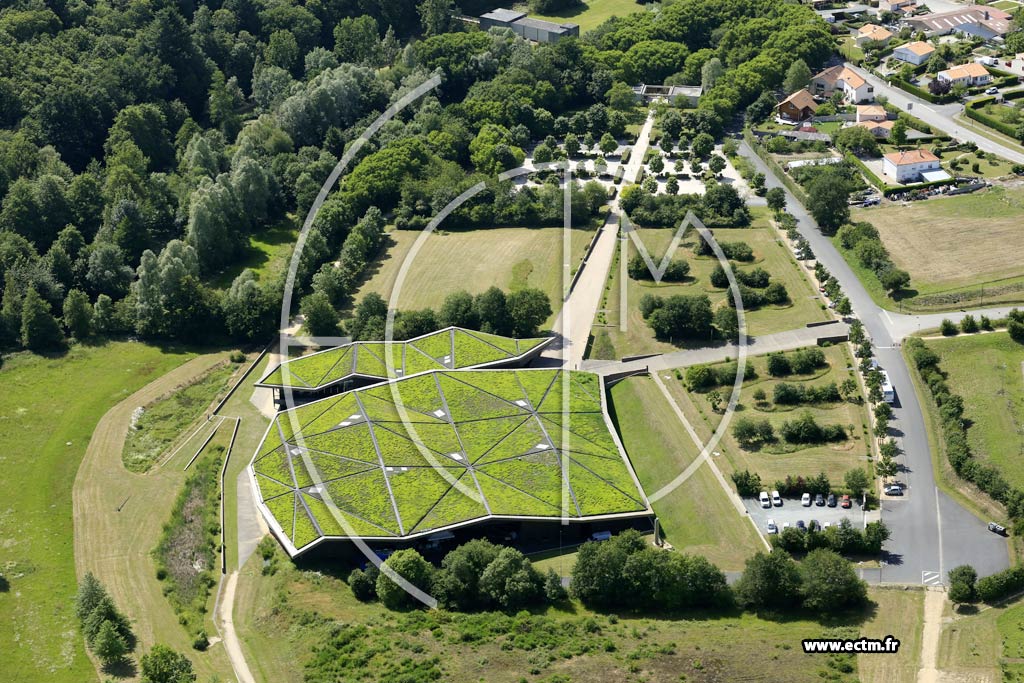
x,y
769,254
899,613
473,260
697,517
988,645
48,409
775,461
988,371
267,254
591,13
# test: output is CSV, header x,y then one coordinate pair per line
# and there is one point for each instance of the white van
x,y
766,502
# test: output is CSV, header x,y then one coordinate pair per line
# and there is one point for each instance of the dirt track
x,y
116,545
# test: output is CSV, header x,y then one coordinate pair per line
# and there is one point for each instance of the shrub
x,y
948,328
968,325
364,583
779,365
748,484
750,432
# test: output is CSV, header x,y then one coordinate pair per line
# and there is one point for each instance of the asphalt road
x,y
940,116
931,533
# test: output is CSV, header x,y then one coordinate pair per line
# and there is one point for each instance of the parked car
x,y
997,528
800,525
785,525
805,500
893,490
772,528
992,90
819,500
832,500
826,525
765,501
776,499
845,502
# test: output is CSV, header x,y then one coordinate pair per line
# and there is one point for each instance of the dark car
x,y
832,500
800,525
819,500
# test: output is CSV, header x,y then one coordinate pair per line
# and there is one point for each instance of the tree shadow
x,y
5,585
123,668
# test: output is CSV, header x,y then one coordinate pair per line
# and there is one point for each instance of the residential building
x,y
895,6
871,112
967,75
982,21
912,166
797,107
916,53
872,33
880,129
537,30
679,95
840,78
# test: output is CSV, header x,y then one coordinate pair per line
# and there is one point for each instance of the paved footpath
x,y
756,346
575,320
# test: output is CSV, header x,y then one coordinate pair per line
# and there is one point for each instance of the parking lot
x,y
791,511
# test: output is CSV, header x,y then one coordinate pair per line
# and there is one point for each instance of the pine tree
x,y
109,645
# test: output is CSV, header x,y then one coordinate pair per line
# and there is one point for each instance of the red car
x,y
846,501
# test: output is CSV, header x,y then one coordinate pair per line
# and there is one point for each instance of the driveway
x,y
930,532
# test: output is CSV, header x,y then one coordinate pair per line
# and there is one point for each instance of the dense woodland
x,y
142,142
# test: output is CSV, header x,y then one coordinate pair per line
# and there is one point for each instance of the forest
x,y
143,143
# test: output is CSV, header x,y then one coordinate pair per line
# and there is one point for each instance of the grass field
x,y
163,422
474,260
592,13
49,409
697,517
987,646
769,254
267,254
898,613
988,371
955,249
776,461
112,503
283,617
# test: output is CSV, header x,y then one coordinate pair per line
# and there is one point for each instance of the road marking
x,y
931,578
938,520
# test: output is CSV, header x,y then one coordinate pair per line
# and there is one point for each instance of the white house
x,y
916,53
912,166
854,88
966,74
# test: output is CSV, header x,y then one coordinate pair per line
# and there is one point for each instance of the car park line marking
x,y
929,578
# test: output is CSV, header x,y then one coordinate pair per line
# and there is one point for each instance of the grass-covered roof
x,y
476,444
446,349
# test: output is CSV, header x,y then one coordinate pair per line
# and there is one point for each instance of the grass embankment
x,y
282,618
163,423
186,554
775,461
473,260
955,249
984,646
49,409
697,517
770,254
